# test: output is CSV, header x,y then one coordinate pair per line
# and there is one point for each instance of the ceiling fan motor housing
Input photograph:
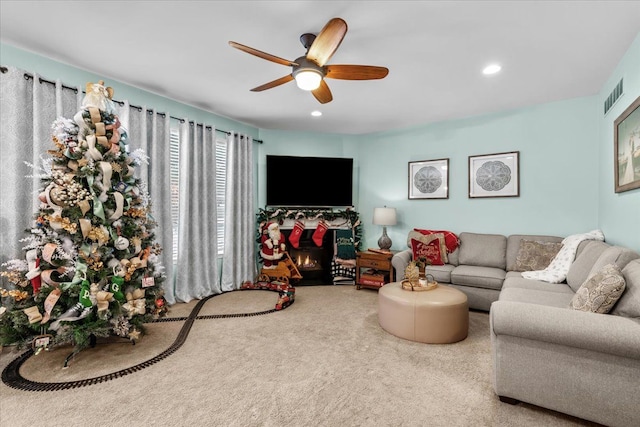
x,y
307,40
304,65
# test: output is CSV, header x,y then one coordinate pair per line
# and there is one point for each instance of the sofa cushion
x,y
454,257
440,273
535,255
536,296
513,281
513,245
629,304
581,267
485,250
600,292
479,277
618,255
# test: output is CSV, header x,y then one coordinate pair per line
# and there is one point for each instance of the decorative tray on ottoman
x,y
422,285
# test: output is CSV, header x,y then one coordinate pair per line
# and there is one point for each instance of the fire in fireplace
x,y
313,261
308,259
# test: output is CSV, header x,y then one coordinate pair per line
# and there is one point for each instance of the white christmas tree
x,y
91,267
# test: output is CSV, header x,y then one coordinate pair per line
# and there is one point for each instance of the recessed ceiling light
x,y
491,69
316,113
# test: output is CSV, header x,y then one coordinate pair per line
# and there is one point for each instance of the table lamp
x,y
384,216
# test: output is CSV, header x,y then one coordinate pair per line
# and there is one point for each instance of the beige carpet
x,y
324,361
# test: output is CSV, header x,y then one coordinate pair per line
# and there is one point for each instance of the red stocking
x,y
36,282
294,237
318,235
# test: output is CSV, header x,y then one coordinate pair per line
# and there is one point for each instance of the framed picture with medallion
x,y
429,179
494,175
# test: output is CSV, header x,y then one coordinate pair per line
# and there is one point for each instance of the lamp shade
x,y
384,216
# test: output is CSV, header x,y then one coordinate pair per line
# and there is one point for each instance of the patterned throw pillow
x,y
533,255
450,239
432,250
428,238
600,292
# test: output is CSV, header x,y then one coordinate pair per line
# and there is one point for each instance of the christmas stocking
x,y
294,238
79,311
318,235
116,288
85,294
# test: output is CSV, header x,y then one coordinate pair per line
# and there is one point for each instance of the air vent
x,y
613,97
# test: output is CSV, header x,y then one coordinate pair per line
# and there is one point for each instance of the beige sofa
x,y
478,267
545,353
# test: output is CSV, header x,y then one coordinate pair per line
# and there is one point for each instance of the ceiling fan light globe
x,y
307,79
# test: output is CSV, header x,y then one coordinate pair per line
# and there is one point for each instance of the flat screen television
x,y
294,181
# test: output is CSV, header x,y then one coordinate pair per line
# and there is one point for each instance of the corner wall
x,y
557,144
68,75
619,213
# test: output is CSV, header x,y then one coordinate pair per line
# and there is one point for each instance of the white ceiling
x,y
435,51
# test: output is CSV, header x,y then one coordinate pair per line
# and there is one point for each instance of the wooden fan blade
x,y
323,93
262,55
277,82
324,46
356,72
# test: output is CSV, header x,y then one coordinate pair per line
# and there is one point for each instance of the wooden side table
x,y
378,261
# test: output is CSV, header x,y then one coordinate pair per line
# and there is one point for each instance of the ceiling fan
x,y
310,70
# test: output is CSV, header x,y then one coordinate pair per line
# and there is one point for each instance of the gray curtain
x,y
28,107
150,131
27,110
197,267
238,262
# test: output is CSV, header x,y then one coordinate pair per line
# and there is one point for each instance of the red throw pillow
x,y
450,239
430,251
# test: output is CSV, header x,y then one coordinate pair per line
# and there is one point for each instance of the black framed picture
x,y
429,179
494,175
626,148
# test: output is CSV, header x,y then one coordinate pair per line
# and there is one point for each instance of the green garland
x,y
278,215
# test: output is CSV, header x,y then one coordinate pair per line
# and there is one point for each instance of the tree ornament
x,y
121,243
116,288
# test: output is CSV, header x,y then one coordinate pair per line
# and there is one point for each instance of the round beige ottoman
x,y
438,316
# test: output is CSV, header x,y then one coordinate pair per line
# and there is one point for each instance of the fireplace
x,y
313,261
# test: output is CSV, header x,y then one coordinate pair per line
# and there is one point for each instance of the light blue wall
x,y
619,215
557,144
566,178
70,76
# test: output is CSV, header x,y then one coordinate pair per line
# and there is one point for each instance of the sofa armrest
x,y
604,333
400,261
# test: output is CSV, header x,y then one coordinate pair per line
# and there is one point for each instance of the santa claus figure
x,y
273,247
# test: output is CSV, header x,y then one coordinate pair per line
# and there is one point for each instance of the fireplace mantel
x,y
321,254
334,218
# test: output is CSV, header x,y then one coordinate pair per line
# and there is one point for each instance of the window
x,y
221,184
174,158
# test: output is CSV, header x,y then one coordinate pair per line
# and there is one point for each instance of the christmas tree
x,y
91,267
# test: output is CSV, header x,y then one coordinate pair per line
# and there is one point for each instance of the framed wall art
x,y
626,148
494,175
429,179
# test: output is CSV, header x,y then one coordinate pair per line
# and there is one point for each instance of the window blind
x,y
221,185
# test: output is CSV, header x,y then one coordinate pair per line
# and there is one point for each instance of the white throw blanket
x,y
557,270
